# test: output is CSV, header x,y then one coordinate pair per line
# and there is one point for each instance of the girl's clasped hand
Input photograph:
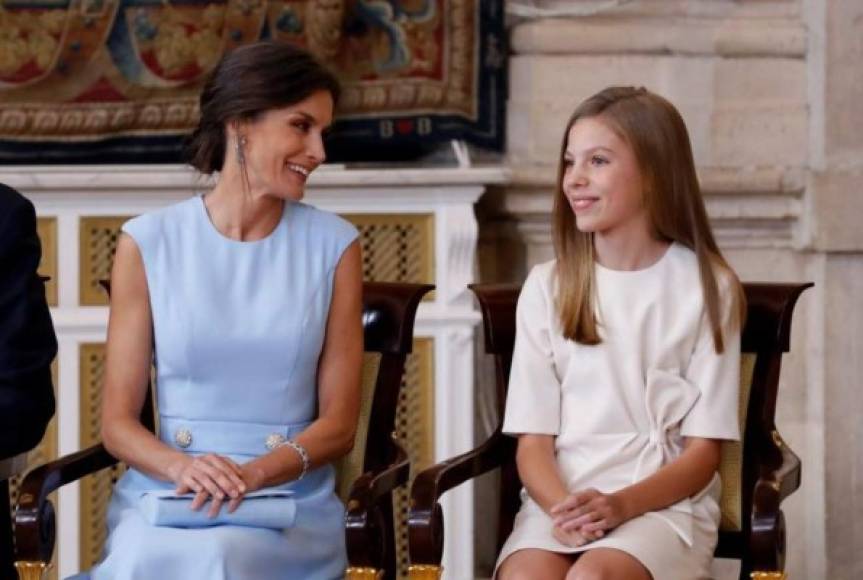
x,y
586,516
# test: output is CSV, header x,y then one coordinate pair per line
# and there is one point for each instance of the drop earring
x,y
241,153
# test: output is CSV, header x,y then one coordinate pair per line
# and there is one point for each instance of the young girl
x,y
626,365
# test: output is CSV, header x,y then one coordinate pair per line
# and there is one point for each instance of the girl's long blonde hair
x,y
658,137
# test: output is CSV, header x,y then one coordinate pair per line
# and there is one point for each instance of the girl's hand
x,y
590,511
572,538
209,476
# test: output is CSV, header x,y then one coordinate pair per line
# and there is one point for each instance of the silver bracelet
x,y
301,451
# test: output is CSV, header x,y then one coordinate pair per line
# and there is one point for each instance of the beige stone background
x,y
772,93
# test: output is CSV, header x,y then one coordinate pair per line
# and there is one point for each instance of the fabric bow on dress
x,y
668,398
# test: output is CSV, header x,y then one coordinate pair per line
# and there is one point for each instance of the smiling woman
x,y
264,111
272,155
279,148
249,302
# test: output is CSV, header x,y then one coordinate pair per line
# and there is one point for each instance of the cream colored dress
x,y
619,410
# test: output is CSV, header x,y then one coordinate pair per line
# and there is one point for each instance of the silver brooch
x,y
183,437
274,440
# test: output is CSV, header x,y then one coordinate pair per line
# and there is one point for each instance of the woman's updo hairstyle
x,y
248,81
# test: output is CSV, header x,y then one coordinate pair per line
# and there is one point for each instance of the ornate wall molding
x,y
732,37
669,8
757,208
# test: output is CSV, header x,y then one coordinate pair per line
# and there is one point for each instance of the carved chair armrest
x,y
425,519
371,486
34,519
767,541
785,478
369,511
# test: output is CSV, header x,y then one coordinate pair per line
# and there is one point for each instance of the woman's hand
x,y
253,475
590,512
209,476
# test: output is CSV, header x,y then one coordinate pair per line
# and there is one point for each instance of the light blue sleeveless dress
x,y
239,328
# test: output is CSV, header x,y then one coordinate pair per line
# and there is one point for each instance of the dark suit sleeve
x,y
27,340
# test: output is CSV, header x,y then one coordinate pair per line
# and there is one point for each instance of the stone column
x,y
835,222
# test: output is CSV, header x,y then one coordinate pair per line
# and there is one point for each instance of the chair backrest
x,y
389,310
497,303
765,337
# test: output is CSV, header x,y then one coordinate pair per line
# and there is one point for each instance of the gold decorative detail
x,y
31,570
98,238
731,463
396,247
324,27
358,573
29,38
320,24
95,489
768,576
76,120
47,229
425,572
173,48
415,431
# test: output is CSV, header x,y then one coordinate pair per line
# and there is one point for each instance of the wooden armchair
x,y
366,477
757,473
9,467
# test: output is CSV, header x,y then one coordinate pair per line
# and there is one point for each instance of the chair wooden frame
x,y
389,311
9,467
770,469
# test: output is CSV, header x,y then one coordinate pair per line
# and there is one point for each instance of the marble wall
x,y
771,91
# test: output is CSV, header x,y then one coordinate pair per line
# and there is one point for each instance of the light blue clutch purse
x,y
269,508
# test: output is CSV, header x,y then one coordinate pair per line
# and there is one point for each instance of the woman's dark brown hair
x,y
655,131
248,81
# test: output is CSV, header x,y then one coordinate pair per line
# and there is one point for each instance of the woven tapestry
x,y
118,80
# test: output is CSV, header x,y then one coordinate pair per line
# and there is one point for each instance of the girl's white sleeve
x,y
717,377
533,397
